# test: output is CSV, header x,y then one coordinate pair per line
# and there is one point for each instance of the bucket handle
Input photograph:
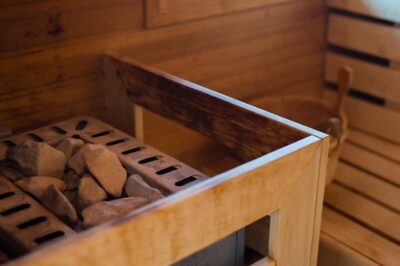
x,y
345,79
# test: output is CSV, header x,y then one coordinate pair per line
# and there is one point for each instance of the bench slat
x,y
354,235
368,185
371,162
382,147
370,213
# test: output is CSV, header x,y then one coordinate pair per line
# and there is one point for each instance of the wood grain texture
x,y
367,117
333,253
368,185
351,234
382,220
373,79
379,146
31,65
164,12
382,9
360,35
179,100
371,162
236,190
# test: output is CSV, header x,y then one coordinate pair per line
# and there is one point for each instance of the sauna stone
x,y
69,147
136,187
37,185
38,159
55,201
105,166
71,180
105,210
77,162
89,192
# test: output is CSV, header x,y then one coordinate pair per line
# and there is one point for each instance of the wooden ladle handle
x,y
345,79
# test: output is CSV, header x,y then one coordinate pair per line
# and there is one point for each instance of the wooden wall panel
x,y
382,9
46,77
374,79
362,36
164,12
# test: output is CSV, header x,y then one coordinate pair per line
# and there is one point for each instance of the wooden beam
x,y
251,133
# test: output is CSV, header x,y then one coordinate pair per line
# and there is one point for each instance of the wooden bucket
x,y
317,114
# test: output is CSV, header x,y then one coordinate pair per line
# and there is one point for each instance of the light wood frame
x,y
284,176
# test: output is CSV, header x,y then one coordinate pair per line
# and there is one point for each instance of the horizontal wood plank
x,y
177,99
361,36
382,9
371,162
374,215
44,24
54,102
333,253
379,146
368,185
164,12
150,224
370,78
369,117
352,234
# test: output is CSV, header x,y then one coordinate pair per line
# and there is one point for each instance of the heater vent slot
x,y
185,181
81,125
132,150
35,137
6,195
48,237
115,142
100,134
167,170
32,222
150,159
59,130
15,209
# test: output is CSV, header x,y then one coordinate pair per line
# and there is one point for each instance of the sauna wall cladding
x,y
51,51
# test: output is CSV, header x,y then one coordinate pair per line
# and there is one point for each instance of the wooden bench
x,y
361,216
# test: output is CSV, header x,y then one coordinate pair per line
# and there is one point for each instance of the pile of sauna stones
x,y
82,184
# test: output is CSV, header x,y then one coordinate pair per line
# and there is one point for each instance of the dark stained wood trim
x,y
249,131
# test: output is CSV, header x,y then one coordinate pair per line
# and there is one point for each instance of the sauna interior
x,y
213,85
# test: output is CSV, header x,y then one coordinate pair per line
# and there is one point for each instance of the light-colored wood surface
x,y
237,192
367,117
359,35
288,182
264,262
334,253
164,12
382,9
361,217
371,78
368,185
155,90
379,146
355,236
379,218
371,162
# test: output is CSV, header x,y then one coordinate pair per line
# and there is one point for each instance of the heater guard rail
x,y
283,175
